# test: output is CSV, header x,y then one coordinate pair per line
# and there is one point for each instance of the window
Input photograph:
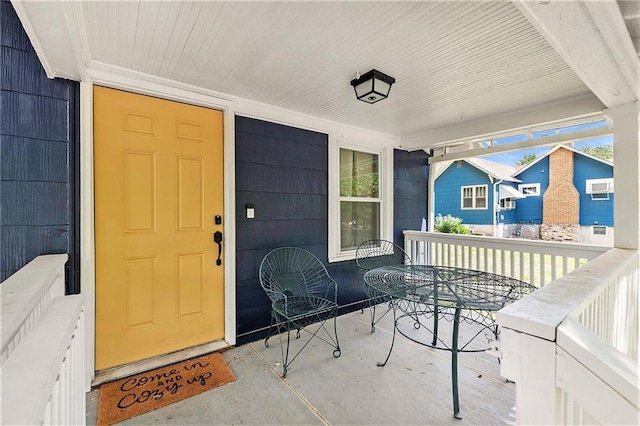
x,y
599,230
530,189
359,198
474,197
599,188
507,204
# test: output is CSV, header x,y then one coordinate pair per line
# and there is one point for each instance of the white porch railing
x,y
43,349
572,346
536,262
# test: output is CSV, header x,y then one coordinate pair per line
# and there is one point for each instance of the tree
x,y
527,159
605,151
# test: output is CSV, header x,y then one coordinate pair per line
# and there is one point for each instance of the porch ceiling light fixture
x,y
373,86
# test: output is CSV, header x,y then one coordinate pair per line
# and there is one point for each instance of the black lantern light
x,y
373,86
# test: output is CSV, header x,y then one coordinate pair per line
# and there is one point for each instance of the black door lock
x,y
217,238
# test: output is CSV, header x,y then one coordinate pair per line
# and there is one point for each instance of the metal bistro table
x,y
425,292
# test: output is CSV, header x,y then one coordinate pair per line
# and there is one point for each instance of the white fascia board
x,y
440,170
586,107
592,39
52,43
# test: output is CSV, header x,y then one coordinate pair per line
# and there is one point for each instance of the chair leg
x,y
270,333
372,310
290,326
285,353
336,352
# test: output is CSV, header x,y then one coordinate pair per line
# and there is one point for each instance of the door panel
x,y
158,186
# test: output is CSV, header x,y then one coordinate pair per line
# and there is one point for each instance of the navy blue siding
x,y
448,194
529,210
592,212
410,189
35,132
283,172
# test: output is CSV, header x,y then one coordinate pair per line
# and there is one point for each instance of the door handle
x,y
217,238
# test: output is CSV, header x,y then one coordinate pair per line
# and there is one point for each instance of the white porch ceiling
x,y
457,64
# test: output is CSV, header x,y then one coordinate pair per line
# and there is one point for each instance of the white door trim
x,y
135,84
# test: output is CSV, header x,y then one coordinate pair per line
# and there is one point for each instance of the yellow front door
x,y
158,189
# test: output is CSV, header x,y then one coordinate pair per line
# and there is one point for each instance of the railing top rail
x,y
30,373
540,313
611,366
22,291
516,244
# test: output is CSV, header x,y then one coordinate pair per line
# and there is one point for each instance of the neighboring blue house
x,y
480,192
592,179
581,193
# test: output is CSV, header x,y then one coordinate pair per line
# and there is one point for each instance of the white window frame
x,y
474,191
385,186
529,185
599,195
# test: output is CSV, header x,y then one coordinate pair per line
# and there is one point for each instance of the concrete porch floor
x,y
413,388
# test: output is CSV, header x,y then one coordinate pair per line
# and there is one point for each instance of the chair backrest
x,y
293,272
376,253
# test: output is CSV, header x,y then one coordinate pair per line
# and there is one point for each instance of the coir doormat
x,y
134,395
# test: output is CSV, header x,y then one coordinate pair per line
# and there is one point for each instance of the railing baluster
x,y
513,257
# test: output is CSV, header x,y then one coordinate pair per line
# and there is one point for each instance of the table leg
x,y
454,364
434,342
393,339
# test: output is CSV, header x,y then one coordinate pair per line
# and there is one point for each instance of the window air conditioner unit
x,y
599,186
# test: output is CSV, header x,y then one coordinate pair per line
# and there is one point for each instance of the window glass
x,y
359,222
358,174
530,189
467,198
481,197
599,230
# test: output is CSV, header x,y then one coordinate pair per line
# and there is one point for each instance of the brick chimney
x,y
561,200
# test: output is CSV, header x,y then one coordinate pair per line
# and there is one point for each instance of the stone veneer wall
x,y
560,232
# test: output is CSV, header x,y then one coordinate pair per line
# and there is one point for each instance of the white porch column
x,y
530,362
626,173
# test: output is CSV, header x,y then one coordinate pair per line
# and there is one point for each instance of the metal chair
x,y
373,254
303,297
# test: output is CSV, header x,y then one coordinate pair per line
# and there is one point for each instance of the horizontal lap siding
x,y
34,151
448,193
410,189
592,212
529,210
283,172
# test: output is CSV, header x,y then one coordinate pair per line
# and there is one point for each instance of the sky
x,y
511,158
